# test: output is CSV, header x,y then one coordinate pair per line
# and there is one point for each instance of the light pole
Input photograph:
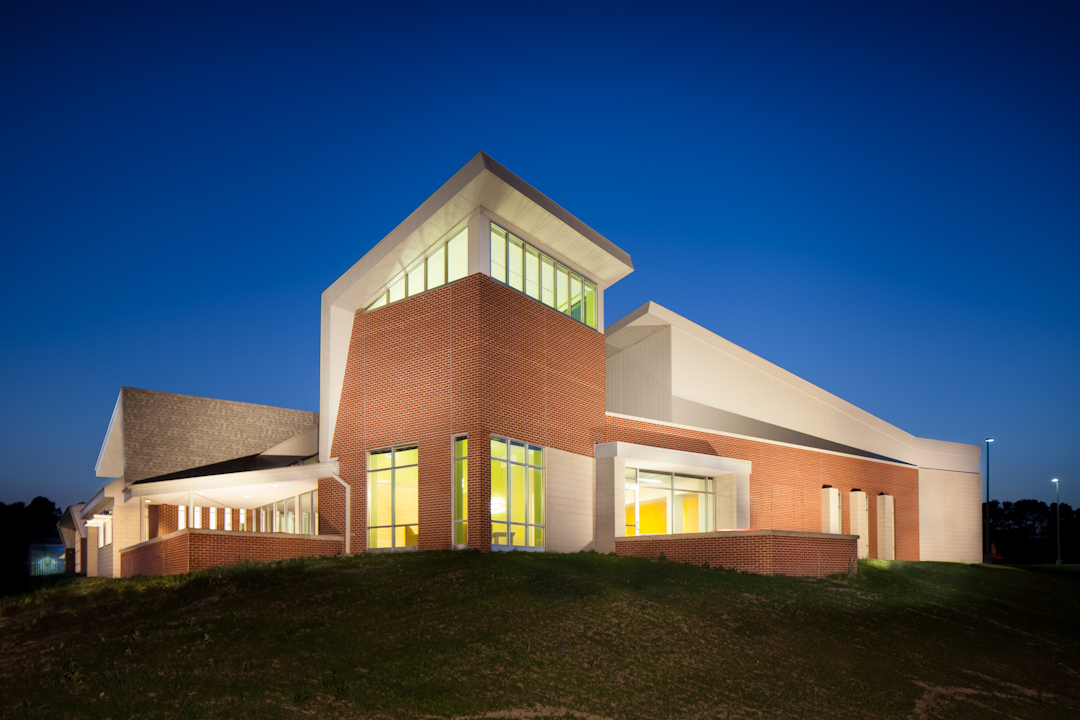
x,y
986,515
1057,503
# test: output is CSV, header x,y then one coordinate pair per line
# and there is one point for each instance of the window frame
x,y
388,295
587,287
528,466
394,467
454,520
636,486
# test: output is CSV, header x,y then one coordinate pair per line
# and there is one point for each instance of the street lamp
x,y
986,515
1057,499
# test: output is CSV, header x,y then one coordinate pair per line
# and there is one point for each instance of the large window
x,y
527,270
447,263
659,503
393,497
461,491
517,494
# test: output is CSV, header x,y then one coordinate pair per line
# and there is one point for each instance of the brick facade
x,y
785,483
188,550
476,358
764,552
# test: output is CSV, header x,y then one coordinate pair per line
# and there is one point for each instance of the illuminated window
x,y
181,517
461,491
393,497
227,514
213,518
524,268
660,503
196,517
243,520
517,494
445,264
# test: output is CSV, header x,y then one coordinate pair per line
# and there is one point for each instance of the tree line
x,y
1025,532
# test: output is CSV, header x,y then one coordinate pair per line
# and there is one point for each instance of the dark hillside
x,y
471,635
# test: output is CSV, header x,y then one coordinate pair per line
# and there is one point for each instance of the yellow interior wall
x,y
690,514
653,517
630,529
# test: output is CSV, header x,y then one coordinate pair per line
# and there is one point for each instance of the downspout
x,y
348,512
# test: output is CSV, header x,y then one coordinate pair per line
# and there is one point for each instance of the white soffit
x,y
110,462
647,457
481,183
234,490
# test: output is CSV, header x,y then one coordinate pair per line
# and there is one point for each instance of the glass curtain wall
x,y
517,494
659,503
393,497
461,491
447,263
524,268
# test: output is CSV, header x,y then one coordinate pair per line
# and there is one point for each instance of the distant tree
x,y
19,524
1025,532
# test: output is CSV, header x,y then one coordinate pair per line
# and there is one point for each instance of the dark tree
x,y
1025,532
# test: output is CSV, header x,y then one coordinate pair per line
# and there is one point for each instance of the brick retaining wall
x,y
190,549
764,552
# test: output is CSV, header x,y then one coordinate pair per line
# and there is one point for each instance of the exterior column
x,y
608,503
886,525
859,521
742,501
830,510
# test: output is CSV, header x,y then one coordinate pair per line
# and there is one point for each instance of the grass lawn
x,y
516,635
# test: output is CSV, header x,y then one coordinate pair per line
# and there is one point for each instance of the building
x,y
472,398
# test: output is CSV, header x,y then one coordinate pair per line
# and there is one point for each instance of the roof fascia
x,y
229,480
110,461
653,314
482,182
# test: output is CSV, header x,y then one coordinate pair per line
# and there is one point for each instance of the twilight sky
x,y
882,198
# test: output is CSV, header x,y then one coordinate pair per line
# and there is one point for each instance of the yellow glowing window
x,y
526,269
517,494
461,490
661,503
394,497
445,264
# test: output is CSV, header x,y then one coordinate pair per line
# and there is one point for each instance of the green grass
x,y
509,634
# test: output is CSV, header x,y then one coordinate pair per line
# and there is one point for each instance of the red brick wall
x,y
167,556
761,553
214,549
168,520
189,550
331,507
785,482
473,357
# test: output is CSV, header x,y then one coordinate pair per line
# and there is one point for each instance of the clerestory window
x,y
448,262
518,264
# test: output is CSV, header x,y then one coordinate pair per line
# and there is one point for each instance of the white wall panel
x,y
570,500
950,516
639,378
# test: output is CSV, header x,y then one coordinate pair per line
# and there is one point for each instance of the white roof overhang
x,y
481,183
110,462
98,520
647,457
234,490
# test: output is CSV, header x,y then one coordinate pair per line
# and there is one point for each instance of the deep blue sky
x,y
883,198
